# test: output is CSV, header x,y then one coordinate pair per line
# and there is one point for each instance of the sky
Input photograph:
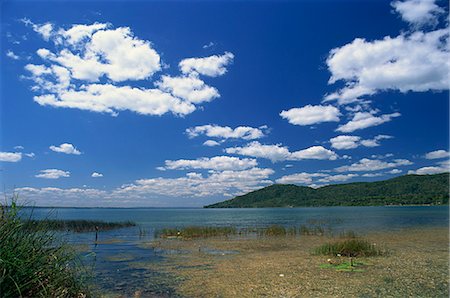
x,y
183,104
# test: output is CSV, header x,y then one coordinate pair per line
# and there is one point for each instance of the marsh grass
x,y
77,226
37,263
355,247
191,232
195,232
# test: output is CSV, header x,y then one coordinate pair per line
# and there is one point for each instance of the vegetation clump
x,y
354,247
196,232
37,263
77,226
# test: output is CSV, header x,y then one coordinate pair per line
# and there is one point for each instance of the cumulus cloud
x,y
211,143
312,178
92,67
196,185
429,170
415,62
351,142
10,54
226,132
52,174
96,175
437,154
345,142
280,153
65,148
418,12
217,163
369,165
10,156
189,88
363,120
300,178
310,114
212,66
394,171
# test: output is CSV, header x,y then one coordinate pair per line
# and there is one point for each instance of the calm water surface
x,y
118,257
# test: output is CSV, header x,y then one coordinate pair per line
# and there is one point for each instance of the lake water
x,y
115,257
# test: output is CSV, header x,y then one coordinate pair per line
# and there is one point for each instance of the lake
x,y
115,256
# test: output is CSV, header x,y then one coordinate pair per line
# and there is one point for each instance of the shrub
x,y
350,248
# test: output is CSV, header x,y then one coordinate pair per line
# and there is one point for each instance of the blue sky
x,y
142,103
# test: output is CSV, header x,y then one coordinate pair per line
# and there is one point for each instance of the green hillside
x,y
404,190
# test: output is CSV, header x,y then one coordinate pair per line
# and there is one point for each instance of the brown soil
x,y
416,266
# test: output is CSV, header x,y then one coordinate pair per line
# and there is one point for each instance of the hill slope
x,y
407,190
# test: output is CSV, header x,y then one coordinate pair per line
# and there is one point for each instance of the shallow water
x,y
120,257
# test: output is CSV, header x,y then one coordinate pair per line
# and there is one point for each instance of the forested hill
x,y
403,190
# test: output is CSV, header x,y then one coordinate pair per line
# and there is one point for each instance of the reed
x,y
37,263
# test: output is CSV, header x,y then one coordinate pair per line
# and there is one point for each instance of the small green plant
x,y
36,263
344,266
349,248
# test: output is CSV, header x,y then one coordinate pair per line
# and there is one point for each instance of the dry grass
x,y
417,266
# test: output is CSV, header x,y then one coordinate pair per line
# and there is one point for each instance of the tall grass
x,y
196,232
36,263
353,247
77,226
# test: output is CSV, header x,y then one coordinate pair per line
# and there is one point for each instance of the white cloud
x,y
212,66
45,30
372,175
394,171
375,142
10,156
226,132
418,12
299,178
309,114
256,149
19,147
416,62
217,163
90,61
208,45
351,142
368,165
314,152
279,153
52,174
96,175
429,170
10,54
437,154
337,178
196,185
189,88
211,143
363,120
311,179
345,142
65,148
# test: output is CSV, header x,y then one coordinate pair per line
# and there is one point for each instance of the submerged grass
x,y
37,263
353,247
77,226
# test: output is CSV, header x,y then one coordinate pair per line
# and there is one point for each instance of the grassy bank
x,y
37,263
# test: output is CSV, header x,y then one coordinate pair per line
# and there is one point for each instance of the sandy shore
x,y
416,266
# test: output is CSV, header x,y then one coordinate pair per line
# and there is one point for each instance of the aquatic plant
x,y
195,232
349,248
36,263
77,226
